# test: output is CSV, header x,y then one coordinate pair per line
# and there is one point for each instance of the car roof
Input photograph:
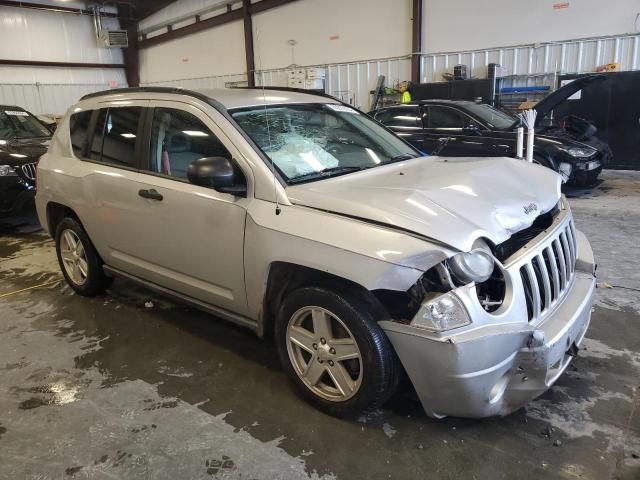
x,y
228,98
12,107
415,103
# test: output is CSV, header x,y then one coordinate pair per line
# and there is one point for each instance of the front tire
x,y
78,259
333,350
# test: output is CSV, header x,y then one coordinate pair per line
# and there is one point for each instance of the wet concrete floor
x,y
108,388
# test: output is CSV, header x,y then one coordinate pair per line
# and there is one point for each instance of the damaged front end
x,y
484,332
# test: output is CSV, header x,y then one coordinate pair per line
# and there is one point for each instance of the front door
x,y
462,135
190,239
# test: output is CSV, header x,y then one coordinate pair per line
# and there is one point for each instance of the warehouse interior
x,y
183,196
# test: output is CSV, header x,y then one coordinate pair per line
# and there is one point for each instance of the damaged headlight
x,y
474,266
578,152
442,313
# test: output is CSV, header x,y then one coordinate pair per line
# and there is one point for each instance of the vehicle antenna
x,y
266,117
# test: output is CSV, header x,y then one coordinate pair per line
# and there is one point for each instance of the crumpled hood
x,y
452,200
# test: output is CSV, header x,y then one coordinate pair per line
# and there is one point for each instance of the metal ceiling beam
x,y
53,8
416,41
201,25
37,63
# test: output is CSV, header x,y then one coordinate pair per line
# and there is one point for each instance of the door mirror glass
x,y
217,173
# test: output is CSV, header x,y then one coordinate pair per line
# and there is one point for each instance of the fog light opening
x,y
498,389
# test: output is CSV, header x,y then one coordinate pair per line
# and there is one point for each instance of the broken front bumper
x,y
496,369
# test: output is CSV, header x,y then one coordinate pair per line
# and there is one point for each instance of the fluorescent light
x,y
127,135
195,133
3,142
18,155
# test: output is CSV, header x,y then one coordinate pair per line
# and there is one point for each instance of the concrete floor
x,y
108,388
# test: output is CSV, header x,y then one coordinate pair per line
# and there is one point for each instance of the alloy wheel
x,y
324,354
74,257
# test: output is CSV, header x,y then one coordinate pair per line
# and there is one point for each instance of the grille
x,y
547,275
29,170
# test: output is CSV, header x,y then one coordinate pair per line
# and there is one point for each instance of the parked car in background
x,y
298,216
23,139
468,129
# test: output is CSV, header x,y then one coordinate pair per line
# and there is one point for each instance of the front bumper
x,y
496,369
15,194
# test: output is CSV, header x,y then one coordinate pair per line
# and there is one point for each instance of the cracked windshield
x,y
312,141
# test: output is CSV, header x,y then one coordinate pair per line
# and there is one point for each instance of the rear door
x,y
455,128
406,122
110,167
189,238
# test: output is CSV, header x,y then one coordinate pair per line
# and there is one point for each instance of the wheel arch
x,y
56,212
284,277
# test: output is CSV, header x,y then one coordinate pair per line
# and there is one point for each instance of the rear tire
x,y
78,259
334,351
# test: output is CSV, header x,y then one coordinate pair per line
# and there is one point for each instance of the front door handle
x,y
151,194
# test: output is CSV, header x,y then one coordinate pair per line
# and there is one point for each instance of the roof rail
x,y
141,89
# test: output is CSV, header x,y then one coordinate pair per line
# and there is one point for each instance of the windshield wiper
x,y
400,158
330,171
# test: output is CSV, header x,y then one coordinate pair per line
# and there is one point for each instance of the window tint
x,y
179,138
120,134
78,129
445,117
400,117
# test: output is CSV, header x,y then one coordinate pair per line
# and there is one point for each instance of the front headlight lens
x,y
565,171
474,266
442,313
578,152
7,170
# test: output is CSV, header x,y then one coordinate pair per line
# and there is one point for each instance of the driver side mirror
x,y
217,173
471,129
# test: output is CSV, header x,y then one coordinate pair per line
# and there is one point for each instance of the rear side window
x,y
115,135
400,117
78,130
120,135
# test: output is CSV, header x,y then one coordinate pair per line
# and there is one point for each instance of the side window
x,y
120,135
177,139
400,117
78,130
449,118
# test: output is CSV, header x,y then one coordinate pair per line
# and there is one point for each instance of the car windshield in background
x,y
313,141
495,118
20,124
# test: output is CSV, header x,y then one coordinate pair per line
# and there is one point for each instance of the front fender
x,y
369,255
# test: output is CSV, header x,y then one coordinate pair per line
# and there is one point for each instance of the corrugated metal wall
x,y
525,64
27,34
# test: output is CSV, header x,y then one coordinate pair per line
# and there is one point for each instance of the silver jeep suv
x,y
298,216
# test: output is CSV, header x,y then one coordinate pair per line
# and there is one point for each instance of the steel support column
x,y
248,43
416,41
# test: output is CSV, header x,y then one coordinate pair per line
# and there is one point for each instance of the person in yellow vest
x,y
404,89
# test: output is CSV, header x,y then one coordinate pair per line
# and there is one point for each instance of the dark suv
x,y
460,128
23,139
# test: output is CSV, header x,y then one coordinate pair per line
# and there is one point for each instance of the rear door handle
x,y
151,194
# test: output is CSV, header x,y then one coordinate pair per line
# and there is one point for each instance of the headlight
x,y
578,152
7,171
565,171
474,266
442,313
